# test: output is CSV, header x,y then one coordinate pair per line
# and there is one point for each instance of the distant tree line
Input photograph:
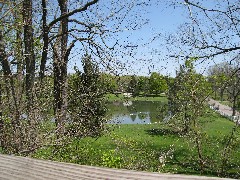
x,y
153,84
225,78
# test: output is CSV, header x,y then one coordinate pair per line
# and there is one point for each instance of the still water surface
x,y
134,112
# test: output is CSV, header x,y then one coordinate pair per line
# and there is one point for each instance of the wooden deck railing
x,y
22,168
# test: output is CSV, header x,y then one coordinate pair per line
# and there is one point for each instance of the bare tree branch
x,y
84,8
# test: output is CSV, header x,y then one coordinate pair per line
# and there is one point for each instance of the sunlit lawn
x,y
139,147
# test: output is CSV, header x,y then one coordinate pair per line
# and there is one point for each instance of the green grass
x,y
140,146
141,97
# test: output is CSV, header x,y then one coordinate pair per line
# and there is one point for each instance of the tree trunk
x,y
1,120
60,72
20,65
45,40
221,94
234,105
28,52
215,96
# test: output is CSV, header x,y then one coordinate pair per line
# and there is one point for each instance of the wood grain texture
x,y
23,168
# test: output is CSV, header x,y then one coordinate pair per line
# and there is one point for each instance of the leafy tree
x,y
213,31
233,90
233,80
32,52
108,82
187,97
143,84
187,102
157,83
217,76
86,104
123,82
224,77
132,86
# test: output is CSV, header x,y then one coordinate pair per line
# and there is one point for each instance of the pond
x,y
134,112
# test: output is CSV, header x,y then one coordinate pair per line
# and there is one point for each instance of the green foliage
x,y
7,146
186,97
157,83
189,62
187,101
143,84
108,82
140,147
220,76
110,159
132,86
224,79
86,102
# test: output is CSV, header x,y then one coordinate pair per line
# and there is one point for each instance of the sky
x,y
152,56
165,20
162,21
148,58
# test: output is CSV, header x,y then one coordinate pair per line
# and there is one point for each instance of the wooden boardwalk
x,y
22,168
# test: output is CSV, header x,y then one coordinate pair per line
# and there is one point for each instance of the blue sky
x,y
151,56
148,58
165,20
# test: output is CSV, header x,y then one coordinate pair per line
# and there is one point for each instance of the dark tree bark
x,y
235,93
60,70
234,106
233,88
19,57
47,27
45,39
61,54
28,51
1,120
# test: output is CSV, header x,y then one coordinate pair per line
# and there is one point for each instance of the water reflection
x,y
134,112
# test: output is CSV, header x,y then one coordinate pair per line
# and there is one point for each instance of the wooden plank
x,y
23,168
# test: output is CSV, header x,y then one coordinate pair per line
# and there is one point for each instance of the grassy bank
x,y
141,97
152,147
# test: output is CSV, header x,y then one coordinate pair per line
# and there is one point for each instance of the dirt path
x,y
223,109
